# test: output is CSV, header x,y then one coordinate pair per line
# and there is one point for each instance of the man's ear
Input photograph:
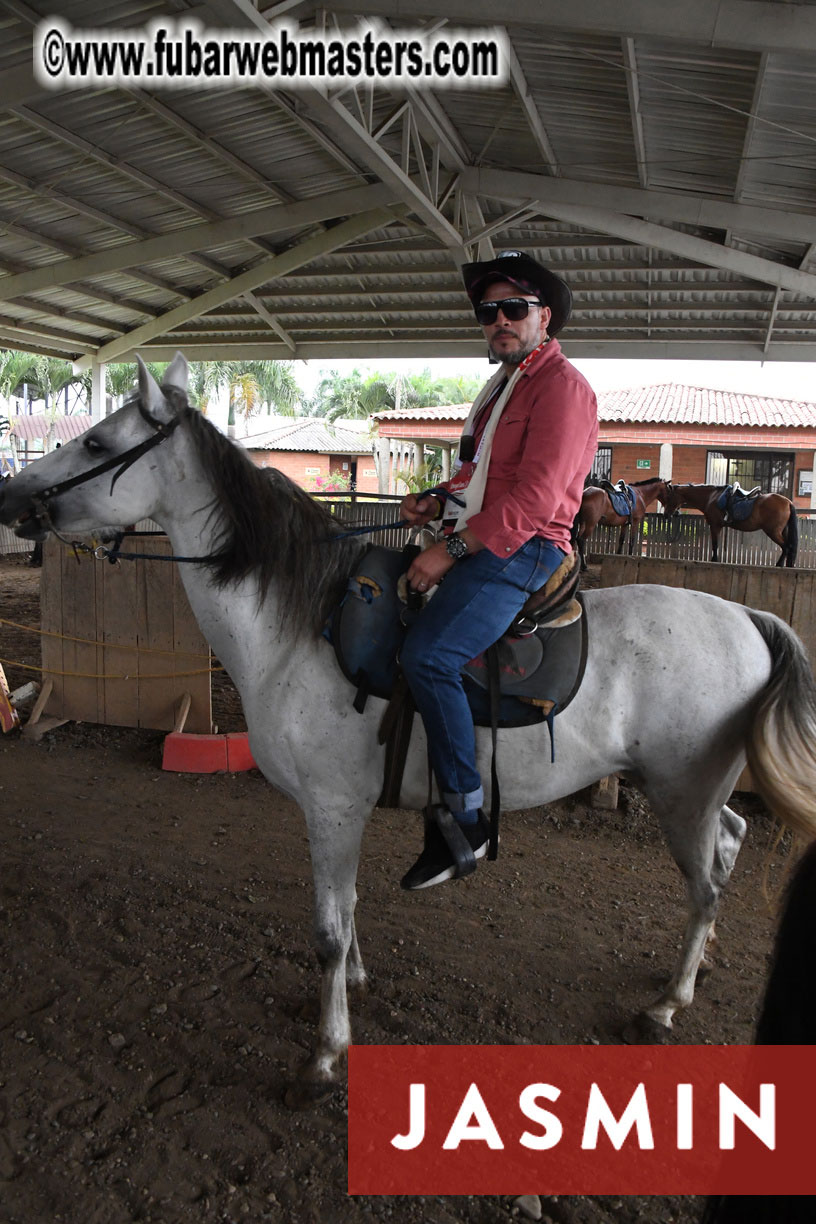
x,y
546,315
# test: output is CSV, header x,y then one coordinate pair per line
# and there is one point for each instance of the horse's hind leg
x,y
705,847
730,834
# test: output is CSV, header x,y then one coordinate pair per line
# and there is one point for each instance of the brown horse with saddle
x,y
598,506
730,506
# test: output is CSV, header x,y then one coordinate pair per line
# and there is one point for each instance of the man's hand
x,y
429,567
419,511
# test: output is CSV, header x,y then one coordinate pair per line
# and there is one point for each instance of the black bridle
x,y
123,462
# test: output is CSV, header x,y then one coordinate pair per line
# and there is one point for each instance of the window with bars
x,y
601,465
773,472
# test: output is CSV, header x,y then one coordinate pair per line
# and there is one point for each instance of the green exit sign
x,y
644,463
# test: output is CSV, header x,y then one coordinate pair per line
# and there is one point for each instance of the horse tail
x,y
787,1017
792,536
781,747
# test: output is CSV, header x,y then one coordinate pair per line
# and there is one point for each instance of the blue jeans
x,y
475,603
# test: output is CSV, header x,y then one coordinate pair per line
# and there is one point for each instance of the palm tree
x,y
276,385
16,371
206,379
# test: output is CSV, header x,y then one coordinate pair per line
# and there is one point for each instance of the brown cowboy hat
x,y
528,275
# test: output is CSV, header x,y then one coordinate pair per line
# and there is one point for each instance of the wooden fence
x,y
686,537
120,643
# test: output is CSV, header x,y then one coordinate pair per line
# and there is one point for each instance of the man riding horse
x,y
507,514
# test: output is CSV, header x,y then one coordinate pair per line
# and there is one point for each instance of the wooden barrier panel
x,y
120,642
788,593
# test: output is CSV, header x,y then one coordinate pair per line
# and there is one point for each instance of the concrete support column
x,y
666,456
446,461
98,401
419,456
382,457
812,483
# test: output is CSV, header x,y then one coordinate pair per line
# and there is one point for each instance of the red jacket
x,y
543,448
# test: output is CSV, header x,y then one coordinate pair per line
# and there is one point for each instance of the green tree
x,y
277,387
16,371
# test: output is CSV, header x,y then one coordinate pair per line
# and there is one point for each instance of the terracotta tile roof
x,y
446,412
310,434
675,404
65,428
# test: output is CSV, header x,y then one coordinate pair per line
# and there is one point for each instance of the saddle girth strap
x,y
492,660
395,732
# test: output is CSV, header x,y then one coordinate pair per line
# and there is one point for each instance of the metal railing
x,y
368,510
686,537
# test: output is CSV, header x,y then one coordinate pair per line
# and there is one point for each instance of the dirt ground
x,y
158,978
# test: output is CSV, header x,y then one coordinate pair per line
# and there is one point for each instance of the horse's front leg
x,y
334,843
715,536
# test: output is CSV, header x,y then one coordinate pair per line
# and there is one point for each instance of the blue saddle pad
x,y
368,628
622,503
737,508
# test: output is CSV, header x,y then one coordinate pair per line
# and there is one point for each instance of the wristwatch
x,y
457,547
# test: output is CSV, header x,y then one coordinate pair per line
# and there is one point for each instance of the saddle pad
x,y
546,666
622,503
736,505
366,630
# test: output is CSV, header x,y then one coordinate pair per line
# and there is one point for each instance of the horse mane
x,y
649,480
267,526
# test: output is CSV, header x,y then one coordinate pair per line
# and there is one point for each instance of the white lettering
x,y
599,1114
553,1130
685,1126
762,1124
484,1129
416,1120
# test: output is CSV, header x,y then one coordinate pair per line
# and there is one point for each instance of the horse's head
x,y
670,498
91,484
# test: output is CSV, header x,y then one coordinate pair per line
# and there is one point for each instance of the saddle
x,y
531,674
621,495
737,503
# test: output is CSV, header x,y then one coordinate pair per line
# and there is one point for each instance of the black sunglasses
x,y
513,308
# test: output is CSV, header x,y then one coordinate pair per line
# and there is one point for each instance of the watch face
x,y
456,547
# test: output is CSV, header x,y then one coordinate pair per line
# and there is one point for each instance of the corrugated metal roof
x,y
659,157
675,404
310,434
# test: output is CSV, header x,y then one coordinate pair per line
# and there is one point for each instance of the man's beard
x,y
515,357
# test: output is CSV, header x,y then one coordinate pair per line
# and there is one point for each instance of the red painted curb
x,y
185,753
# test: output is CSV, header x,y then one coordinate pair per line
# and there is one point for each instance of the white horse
x,y
679,686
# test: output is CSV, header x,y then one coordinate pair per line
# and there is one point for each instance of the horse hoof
x,y
643,1030
705,970
305,1095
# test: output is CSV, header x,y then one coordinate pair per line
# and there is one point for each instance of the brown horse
x,y
772,513
596,507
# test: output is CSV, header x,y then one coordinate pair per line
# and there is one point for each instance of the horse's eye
x,y
93,447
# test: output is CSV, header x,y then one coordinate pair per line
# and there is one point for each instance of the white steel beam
x,y
352,136
751,127
528,106
277,266
197,237
633,90
258,306
749,24
685,207
686,245
629,350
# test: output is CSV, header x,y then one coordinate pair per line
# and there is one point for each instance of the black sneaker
x,y
450,850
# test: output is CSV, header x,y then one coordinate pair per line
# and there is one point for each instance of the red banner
x,y
581,1119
